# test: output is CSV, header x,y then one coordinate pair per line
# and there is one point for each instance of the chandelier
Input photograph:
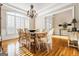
x,y
31,13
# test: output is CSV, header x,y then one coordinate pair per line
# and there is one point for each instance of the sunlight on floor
x,y
11,50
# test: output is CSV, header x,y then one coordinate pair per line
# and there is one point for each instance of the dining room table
x,y
38,35
34,35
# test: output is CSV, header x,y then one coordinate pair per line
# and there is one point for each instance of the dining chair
x,y
43,40
22,38
26,37
29,41
26,30
73,39
47,40
19,33
38,42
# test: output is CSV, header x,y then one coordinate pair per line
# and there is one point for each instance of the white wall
x,y
60,18
3,21
76,14
39,23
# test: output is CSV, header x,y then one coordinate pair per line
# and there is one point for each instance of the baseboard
x,y
10,39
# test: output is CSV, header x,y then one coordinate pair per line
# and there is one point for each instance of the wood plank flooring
x,y
11,47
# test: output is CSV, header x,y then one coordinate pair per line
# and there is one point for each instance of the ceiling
x,y
41,8
37,6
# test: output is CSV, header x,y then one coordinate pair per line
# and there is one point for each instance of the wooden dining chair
x,y
45,42
38,42
26,30
22,39
19,33
28,43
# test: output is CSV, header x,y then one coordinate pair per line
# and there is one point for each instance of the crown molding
x,y
54,9
62,10
48,7
9,7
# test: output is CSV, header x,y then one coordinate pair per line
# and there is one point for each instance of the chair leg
x,y
29,46
38,47
47,47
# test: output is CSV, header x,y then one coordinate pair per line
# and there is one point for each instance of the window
x,y
27,23
48,23
22,22
10,24
16,21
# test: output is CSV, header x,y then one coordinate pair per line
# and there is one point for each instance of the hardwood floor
x,y
11,47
